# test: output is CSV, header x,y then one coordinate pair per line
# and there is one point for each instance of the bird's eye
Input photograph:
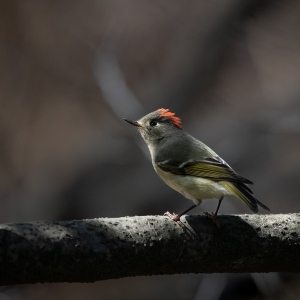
x,y
153,123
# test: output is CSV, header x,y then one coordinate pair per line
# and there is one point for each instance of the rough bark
x,y
98,249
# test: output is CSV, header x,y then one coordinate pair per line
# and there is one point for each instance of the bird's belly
x,y
192,187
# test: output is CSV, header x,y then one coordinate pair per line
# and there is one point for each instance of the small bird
x,y
189,166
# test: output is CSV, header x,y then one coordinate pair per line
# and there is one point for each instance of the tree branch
x,y
98,249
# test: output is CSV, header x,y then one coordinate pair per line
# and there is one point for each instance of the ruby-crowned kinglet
x,y
188,165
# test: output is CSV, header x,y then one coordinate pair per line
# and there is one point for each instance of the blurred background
x,y
71,70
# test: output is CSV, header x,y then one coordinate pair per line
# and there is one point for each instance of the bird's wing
x,y
211,168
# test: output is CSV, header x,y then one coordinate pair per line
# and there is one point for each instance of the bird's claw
x,y
174,217
213,217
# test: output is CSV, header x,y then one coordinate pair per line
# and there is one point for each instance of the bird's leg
x,y
214,216
219,203
176,217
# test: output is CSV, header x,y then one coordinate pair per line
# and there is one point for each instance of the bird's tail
x,y
244,193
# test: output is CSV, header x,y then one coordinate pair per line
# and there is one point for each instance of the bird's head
x,y
157,125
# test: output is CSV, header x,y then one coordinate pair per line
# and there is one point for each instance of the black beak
x,y
134,123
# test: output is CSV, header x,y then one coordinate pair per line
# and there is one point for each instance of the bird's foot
x,y
175,218
213,217
172,216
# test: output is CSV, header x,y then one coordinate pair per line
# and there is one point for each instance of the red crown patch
x,y
163,112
